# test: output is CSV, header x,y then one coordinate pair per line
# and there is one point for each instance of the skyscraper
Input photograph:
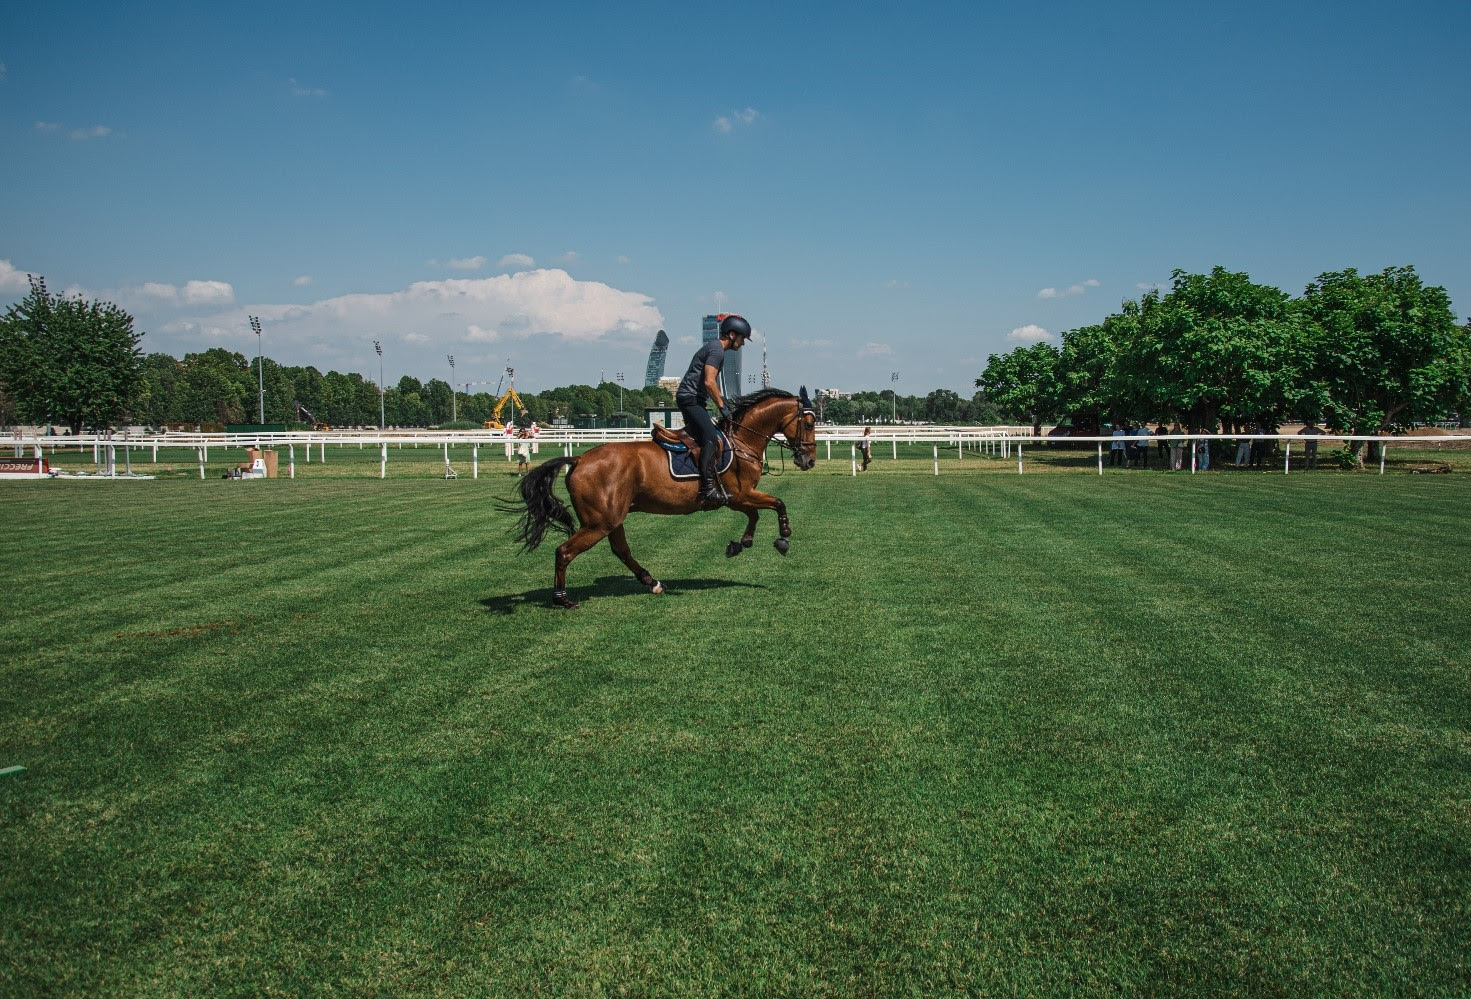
x,y
657,353
730,373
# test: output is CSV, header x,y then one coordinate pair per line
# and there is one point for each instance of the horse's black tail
x,y
539,506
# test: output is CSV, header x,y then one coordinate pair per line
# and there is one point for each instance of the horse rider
x,y
700,384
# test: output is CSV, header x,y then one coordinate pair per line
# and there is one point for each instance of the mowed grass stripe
x,y
936,747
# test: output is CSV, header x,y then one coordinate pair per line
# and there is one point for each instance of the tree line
x,y
74,363
1359,353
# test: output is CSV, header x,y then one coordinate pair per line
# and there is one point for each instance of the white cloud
x,y
875,350
743,116
1031,333
896,283
193,293
621,259
95,132
416,338
1070,290
297,90
467,263
47,126
207,293
516,260
820,342
301,281
457,310
12,279
1150,286
570,257
718,298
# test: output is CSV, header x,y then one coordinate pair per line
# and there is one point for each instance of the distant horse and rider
x,y
615,479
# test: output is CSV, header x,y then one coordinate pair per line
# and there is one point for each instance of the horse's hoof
x,y
781,545
747,542
657,588
561,600
733,549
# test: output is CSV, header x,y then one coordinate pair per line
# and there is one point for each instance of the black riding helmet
x,y
735,326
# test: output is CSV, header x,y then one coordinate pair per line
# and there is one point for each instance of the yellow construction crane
x,y
494,423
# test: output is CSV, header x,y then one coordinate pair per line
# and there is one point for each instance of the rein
x,y
784,445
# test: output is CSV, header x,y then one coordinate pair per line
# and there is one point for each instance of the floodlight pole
x,y
893,399
378,346
454,410
260,372
620,392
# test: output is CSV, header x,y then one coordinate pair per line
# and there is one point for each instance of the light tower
x,y
378,346
454,404
260,372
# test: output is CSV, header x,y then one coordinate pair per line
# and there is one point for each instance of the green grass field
x,y
977,733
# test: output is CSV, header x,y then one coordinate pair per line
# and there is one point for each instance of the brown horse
x,y
615,479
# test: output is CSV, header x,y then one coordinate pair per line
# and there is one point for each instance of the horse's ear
x,y
802,397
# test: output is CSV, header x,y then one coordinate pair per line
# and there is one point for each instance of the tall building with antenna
x,y
657,354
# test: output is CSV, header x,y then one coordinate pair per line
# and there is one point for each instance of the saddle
x,y
684,451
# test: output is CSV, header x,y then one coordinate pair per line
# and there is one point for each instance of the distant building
x,y
730,373
669,382
655,371
833,394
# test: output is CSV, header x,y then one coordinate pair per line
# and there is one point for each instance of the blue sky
x,y
899,187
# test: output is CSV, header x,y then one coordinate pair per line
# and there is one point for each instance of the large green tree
x,y
1217,347
1022,384
68,360
1387,349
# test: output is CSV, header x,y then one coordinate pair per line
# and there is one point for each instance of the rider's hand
x,y
725,410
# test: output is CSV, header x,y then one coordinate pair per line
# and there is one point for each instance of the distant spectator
x,y
1141,445
865,447
1117,450
1310,446
1202,453
1164,446
1243,447
1177,448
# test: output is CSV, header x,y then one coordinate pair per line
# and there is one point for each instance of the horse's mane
x,y
740,405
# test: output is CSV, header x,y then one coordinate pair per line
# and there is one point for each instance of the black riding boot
x,y
710,488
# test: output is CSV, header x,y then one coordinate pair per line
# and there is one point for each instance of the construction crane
x,y
494,423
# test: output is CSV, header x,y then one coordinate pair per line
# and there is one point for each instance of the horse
x,y
615,479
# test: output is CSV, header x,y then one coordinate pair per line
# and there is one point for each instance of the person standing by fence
x,y
1243,447
1117,448
1141,444
865,447
1177,448
1310,446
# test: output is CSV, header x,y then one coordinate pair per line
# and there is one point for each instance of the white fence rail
x,y
975,442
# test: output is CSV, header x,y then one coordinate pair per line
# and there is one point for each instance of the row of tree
x,y
220,386
939,406
1361,353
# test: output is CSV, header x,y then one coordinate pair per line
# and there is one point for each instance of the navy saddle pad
x,y
682,460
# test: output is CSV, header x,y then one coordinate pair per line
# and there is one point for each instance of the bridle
x,y
785,444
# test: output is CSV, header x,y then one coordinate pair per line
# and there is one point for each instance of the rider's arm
x,y
712,386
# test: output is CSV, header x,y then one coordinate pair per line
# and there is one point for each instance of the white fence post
x,y
1381,457
1286,457
853,457
383,460
291,459
200,452
937,459
1018,457
1100,457
475,460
